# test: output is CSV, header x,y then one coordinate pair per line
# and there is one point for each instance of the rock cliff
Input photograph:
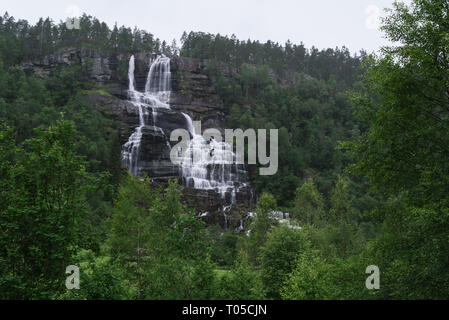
x,y
193,92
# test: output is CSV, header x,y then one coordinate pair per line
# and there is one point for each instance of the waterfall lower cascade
x,y
209,165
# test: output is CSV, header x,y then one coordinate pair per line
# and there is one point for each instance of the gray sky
x,y
322,23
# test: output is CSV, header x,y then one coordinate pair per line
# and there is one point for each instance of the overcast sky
x,y
322,23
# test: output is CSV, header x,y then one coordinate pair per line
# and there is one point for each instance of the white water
x,y
156,96
211,165
279,216
240,228
205,164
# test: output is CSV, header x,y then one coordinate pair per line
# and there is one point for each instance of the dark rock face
x,y
123,111
155,154
170,120
193,92
102,68
141,69
209,205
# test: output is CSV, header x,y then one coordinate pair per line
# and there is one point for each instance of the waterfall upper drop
x,y
217,172
131,79
156,96
159,78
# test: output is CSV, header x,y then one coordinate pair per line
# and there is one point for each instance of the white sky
x,y
322,23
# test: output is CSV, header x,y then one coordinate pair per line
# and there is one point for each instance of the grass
x,y
99,91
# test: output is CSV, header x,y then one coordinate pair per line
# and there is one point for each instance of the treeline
x,y
321,64
20,41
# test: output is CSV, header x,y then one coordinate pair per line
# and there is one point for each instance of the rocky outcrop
x,y
209,206
193,92
101,67
123,111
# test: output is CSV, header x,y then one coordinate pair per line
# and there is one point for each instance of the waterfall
x,y
131,148
205,164
159,77
156,96
131,74
211,165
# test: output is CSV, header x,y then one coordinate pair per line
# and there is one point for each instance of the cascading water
x,y
131,148
157,87
156,96
205,164
211,165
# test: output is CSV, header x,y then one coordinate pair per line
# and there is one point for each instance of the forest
x,y
363,150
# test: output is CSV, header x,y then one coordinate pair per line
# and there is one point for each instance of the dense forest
x,y
363,143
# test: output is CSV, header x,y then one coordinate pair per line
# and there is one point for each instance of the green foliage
x,y
278,256
311,115
160,243
46,204
21,41
340,202
404,101
309,280
27,102
100,279
224,246
281,58
261,226
309,204
129,227
317,278
242,282
412,252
